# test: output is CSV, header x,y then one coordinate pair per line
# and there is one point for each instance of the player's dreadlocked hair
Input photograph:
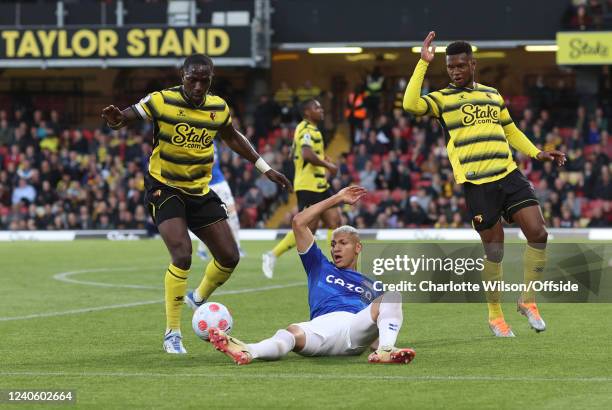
x,y
197,59
459,47
306,104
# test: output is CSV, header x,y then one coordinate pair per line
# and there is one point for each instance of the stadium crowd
x,y
57,176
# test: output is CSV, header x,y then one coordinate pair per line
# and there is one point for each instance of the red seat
x,y
588,150
396,195
518,103
376,161
566,133
350,160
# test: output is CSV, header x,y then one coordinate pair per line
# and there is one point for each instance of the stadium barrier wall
x,y
451,235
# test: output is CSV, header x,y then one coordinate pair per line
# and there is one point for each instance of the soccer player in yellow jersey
x,y
187,119
480,133
310,182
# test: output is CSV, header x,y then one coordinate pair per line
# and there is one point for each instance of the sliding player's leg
x,y
272,348
531,222
383,319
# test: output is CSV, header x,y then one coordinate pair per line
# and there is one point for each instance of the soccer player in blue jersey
x,y
220,186
346,314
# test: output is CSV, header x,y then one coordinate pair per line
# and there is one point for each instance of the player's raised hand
x,y
552,155
112,115
428,51
279,179
352,194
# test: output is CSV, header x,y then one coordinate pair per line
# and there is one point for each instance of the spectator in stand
x,y
266,114
603,187
307,92
597,220
284,97
367,177
373,91
23,191
580,19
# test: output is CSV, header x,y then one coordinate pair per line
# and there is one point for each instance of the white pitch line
x,y
65,277
146,302
313,376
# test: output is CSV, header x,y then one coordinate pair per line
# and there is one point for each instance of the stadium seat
x,y
566,133
518,103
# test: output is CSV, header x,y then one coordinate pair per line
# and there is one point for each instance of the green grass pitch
x,y
88,316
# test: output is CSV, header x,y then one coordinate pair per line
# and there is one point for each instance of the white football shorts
x,y
339,333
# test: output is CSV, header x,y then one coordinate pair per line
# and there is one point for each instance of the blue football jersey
x,y
331,289
217,174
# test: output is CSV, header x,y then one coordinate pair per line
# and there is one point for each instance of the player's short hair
x,y
347,229
306,105
459,47
198,59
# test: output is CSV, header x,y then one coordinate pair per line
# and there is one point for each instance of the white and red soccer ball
x,y
211,314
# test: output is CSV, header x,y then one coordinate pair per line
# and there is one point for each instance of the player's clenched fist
x,y
112,115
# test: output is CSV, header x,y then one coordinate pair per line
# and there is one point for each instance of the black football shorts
x,y
488,202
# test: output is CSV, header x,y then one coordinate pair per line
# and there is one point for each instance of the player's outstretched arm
x,y
303,235
520,142
239,143
116,119
413,102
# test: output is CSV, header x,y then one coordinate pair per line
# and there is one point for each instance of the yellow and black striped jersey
x,y
183,152
308,177
479,127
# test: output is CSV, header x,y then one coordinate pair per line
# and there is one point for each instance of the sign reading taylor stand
x,y
134,46
584,47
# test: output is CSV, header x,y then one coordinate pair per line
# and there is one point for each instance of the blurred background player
x,y
220,186
346,314
480,132
312,169
187,119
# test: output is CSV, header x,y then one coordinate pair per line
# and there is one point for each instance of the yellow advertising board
x,y
584,47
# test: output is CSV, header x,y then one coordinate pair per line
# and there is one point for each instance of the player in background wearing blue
x,y
346,314
220,186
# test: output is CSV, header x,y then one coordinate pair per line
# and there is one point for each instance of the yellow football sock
x,y
215,275
493,272
175,284
285,244
534,260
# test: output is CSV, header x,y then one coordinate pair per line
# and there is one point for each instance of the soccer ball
x,y
211,314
